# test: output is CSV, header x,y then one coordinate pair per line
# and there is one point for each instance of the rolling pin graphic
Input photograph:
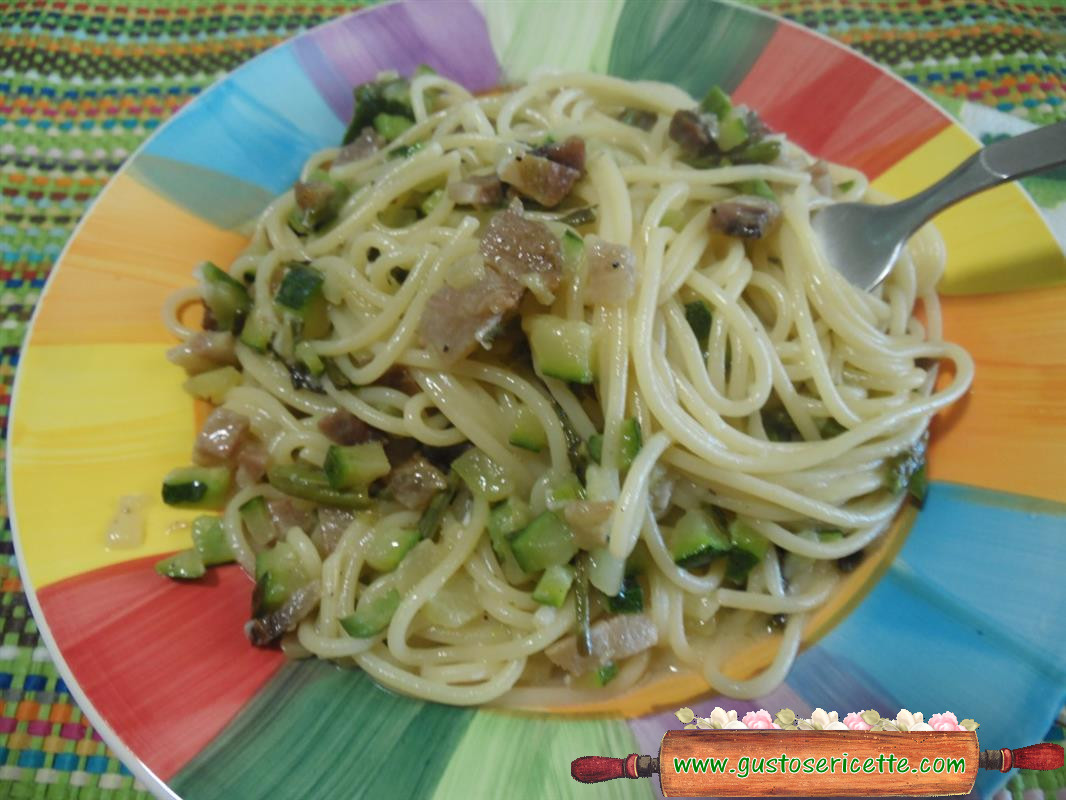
x,y
826,763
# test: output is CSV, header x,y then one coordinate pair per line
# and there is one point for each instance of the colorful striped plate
x,y
964,613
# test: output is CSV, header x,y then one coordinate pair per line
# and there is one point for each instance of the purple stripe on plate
x,y
39,727
8,724
448,35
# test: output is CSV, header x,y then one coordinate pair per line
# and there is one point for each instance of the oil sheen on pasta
x,y
521,396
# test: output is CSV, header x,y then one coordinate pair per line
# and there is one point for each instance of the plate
x,y
964,613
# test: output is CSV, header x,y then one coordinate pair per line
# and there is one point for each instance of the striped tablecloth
x,y
83,83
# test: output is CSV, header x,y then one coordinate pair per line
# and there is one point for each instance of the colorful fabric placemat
x,y
83,83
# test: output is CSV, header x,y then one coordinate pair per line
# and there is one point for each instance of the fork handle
x,y
999,162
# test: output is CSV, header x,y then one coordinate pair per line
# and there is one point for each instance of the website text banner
x,y
728,763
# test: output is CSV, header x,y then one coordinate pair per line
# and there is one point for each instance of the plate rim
x,y
152,782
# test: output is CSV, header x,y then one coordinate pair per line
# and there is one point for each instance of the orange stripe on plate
x,y
133,250
835,104
996,241
1009,432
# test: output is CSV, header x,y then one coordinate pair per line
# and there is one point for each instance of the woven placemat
x,y
83,83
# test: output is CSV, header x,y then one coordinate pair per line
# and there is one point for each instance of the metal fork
x,y
862,241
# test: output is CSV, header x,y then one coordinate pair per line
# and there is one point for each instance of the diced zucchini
x,y
391,125
373,616
300,294
561,348
630,442
431,519
506,518
258,521
278,573
605,674
226,296
565,490
906,472
673,218
214,384
630,600
395,215
305,353
732,131
779,426
758,188
761,152
846,186
356,466
554,584
196,487
546,541
918,486
309,483
749,549
328,197
697,540
185,566
483,476
431,202
209,539
830,536
527,432
606,571
257,332
639,561
716,102
388,547
407,151
829,428
573,251
698,315
579,216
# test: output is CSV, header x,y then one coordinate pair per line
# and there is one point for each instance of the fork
x,y
862,241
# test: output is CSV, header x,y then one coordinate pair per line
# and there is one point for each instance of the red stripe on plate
x,y
835,104
167,665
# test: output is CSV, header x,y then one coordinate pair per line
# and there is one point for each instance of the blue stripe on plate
x,y
968,619
259,126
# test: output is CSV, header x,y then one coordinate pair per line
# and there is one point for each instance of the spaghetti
x,y
523,396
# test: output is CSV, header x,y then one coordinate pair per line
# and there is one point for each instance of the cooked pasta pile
x,y
524,397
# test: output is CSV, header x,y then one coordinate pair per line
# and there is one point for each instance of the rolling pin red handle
x,y
596,769
1036,756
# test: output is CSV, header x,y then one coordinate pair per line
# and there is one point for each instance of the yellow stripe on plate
x,y
133,250
93,423
996,241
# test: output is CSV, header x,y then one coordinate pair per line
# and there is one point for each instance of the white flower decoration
x,y
720,717
921,726
836,725
905,719
821,721
736,724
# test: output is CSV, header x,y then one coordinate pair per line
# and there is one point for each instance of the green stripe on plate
x,y
693,44
333,733
528,34
520,756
